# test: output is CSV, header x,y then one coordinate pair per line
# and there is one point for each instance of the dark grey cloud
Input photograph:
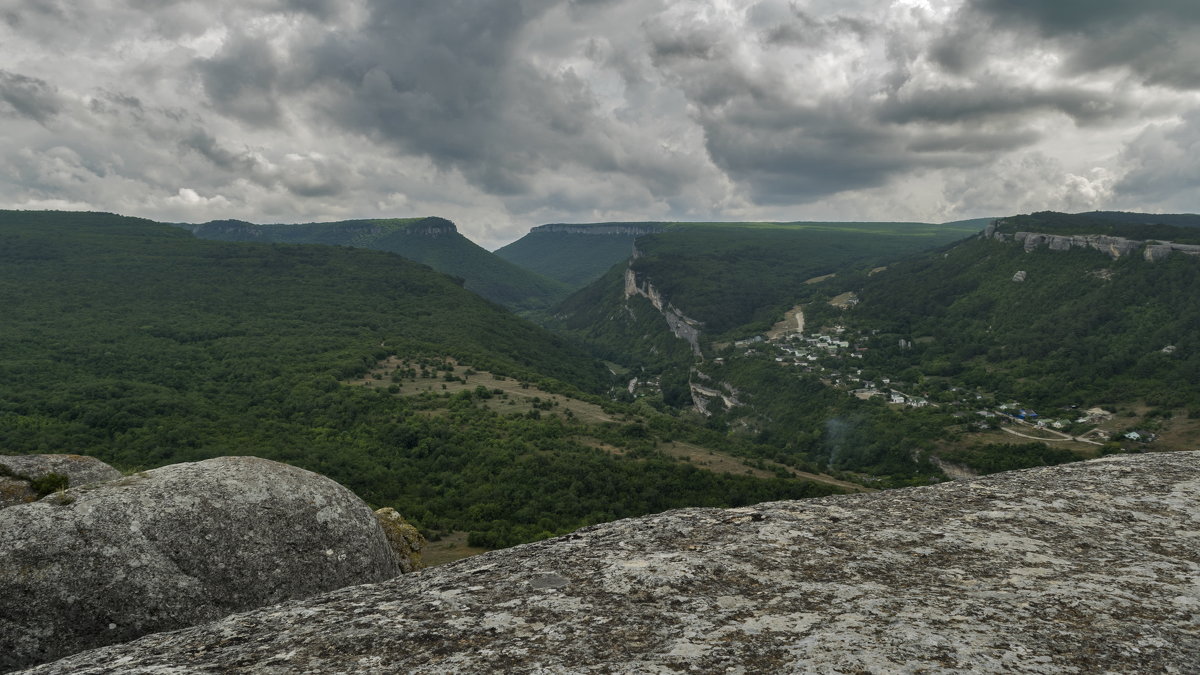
x,y
1162,165
1080,17
27,97
1156,41
241,80
979,103
506,114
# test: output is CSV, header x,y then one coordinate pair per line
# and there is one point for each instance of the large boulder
x,y
1081,568
25,478
173,547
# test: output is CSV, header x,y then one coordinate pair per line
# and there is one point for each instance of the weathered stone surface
x,y
1083,568
406,542
173,547
78,469
1115,247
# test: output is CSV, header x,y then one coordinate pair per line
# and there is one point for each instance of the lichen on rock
x,y
172,547
1083,568
21,476
405,540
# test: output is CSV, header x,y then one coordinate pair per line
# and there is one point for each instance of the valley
x,y
713,364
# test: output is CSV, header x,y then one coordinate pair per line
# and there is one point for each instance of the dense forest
x,y
432,241
1081,327
955,327
141,345
734,278
1180,229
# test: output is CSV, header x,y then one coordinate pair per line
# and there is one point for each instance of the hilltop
x,y
576,254
433,241
1081,568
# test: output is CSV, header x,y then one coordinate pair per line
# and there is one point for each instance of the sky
x,y
508,114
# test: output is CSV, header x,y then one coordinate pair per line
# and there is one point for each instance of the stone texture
x,y
173,547
78,469
406,542
1115,247
1082,568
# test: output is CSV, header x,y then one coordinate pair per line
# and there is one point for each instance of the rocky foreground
x,y
113,560
1086,568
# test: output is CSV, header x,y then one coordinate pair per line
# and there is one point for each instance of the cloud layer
x,y
506,115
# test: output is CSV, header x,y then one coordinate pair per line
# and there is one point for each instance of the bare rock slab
x,y
173,547
1080,568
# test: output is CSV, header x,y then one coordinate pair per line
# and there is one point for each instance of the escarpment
x,y
681,325
1087,567
1115,247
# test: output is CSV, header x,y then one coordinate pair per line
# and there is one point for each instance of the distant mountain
x,y
1174,219
1181,228
135,342
433,241
1050,309
902,361
577,254
701,281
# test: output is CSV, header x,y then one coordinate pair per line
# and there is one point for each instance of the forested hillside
x,y
894,366
731,278
1076,326
139,344
576,255
432,241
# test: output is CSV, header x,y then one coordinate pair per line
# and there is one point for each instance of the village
x,y
831,354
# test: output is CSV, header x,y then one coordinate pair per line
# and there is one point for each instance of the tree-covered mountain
x,y
138,343
577,254
722,279
1045,321
901,363
433,241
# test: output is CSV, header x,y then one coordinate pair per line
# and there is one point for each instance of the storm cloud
x,y
509,114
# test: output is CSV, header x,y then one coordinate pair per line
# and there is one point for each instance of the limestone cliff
x,y
1115,247
1080,568
682,326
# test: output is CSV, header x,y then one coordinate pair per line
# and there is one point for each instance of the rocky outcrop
x,y
406,541
1114,247
1080,568
173,547
626,229
23,477
1157,252
682,326
702,396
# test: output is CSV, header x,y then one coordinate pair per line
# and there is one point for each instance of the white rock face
x,y
1081,568
174,547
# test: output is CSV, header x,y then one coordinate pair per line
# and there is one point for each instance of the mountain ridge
x,y
429,240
